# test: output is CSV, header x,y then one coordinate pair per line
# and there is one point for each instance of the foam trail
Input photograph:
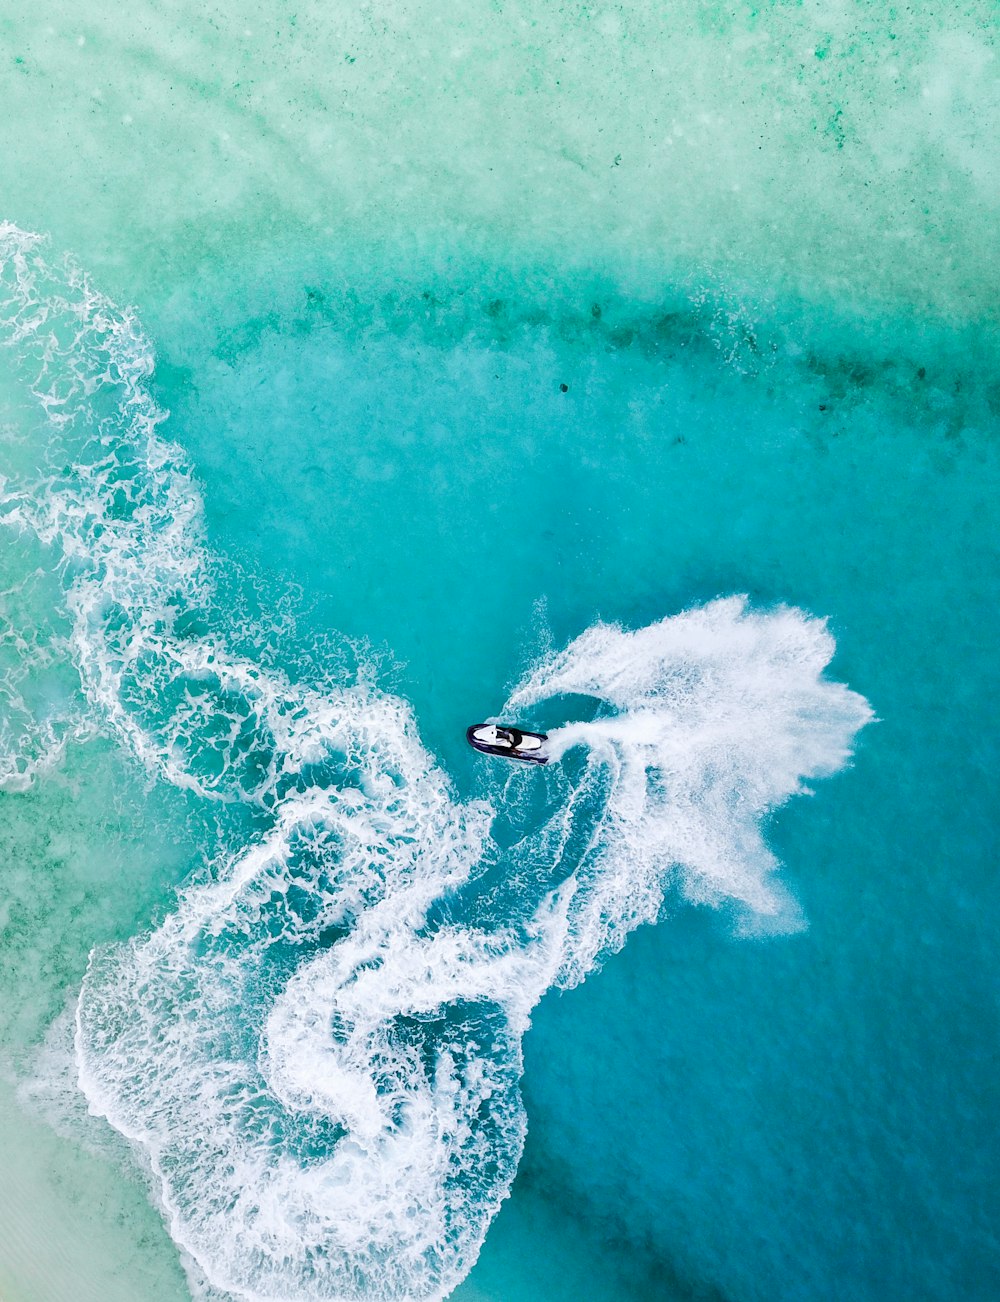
x,y
721,714
321,1065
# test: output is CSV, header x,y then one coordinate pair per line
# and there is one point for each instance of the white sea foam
x,y
720,715
320,1064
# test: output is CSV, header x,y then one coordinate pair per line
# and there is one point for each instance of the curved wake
x,y
320,1063
720,714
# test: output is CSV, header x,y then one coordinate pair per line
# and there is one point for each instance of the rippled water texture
x,y
635,370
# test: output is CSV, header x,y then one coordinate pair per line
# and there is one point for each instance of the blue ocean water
x,y
373,516
796,1117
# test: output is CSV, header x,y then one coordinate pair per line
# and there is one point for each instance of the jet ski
x,y
511,743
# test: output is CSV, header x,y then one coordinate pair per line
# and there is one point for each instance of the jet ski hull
x,y
517,751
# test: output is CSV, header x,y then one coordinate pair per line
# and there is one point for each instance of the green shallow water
x,y
755,247
841,152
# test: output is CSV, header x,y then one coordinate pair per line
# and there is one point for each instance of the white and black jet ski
x,y
511,743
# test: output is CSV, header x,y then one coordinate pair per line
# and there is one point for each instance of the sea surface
x,y
630,373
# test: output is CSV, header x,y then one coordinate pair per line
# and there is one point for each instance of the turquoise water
x,y
406,480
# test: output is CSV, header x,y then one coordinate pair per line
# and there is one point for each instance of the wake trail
x,y
320,1065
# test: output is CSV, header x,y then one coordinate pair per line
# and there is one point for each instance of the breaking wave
x,y
319,1050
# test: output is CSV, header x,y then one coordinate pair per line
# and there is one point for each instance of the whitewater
x,y
317,1053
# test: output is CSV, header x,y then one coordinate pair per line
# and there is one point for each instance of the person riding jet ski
x,y
511,743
